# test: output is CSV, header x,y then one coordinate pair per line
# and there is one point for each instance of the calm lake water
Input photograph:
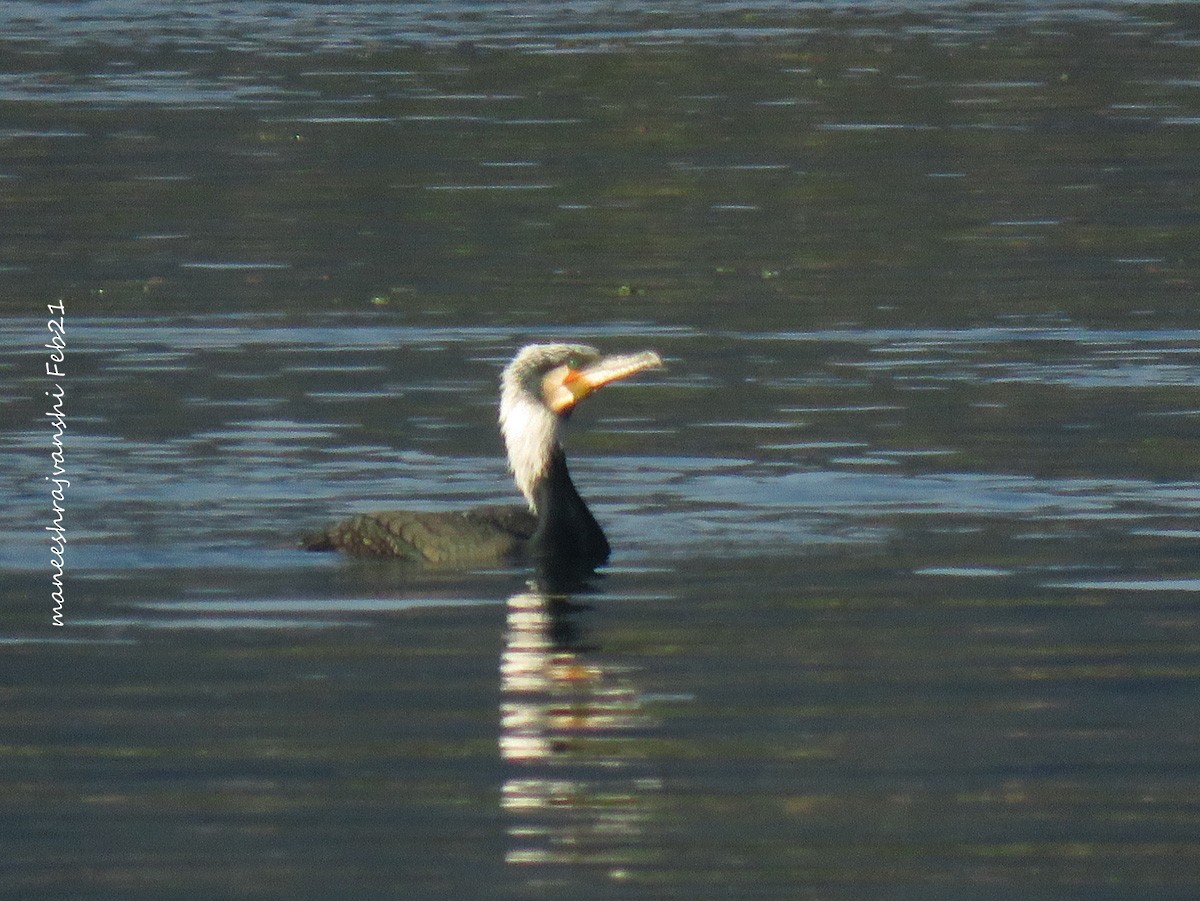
x,y
906,585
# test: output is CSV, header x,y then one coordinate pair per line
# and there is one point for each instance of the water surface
x,y
903,598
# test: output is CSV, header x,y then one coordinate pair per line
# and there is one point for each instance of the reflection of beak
x,y
564,387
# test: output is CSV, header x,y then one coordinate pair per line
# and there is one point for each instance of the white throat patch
x,y
530,432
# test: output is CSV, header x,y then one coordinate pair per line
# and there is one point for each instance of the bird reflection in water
x,y
577,791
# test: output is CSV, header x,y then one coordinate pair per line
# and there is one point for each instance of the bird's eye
x,y
573,362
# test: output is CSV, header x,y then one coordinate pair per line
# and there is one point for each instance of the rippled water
x,y
903,597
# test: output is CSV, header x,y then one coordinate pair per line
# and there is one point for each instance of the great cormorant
x,y
538,391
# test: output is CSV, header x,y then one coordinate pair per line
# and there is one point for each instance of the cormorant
x,y
538,391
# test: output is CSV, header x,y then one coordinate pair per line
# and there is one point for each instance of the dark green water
x,y
903,602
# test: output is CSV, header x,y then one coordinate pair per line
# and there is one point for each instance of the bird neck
x,y
531,434
566,530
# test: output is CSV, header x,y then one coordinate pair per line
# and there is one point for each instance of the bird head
x,y
539,389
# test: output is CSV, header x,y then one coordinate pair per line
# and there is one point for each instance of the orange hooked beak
x,y
564,387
